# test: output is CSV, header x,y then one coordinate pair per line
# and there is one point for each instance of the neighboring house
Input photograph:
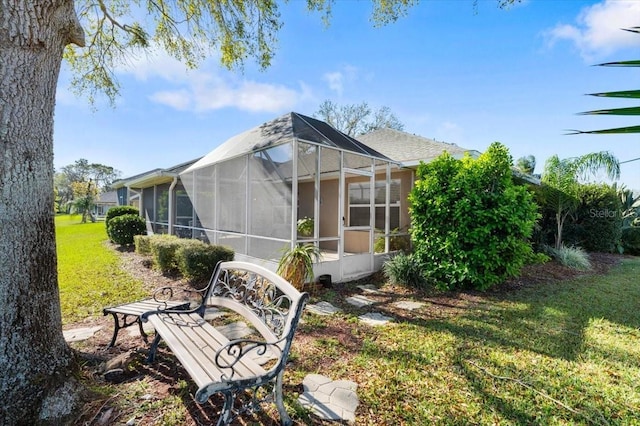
x,y
105,201
250,192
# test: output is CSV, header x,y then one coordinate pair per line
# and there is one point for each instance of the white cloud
x,y
597,31
334,79
201,90
337,79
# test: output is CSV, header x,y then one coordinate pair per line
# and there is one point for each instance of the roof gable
x,y
285,129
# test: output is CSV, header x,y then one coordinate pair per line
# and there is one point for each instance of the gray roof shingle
x,y
408,148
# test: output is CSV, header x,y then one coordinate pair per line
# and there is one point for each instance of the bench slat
x,y
142,306
195,342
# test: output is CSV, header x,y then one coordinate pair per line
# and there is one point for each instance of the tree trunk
x,y
36,364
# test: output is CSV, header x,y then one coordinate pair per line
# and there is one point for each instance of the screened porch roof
x,y
282,130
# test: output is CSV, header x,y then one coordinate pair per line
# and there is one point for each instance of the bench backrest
x,y
268,301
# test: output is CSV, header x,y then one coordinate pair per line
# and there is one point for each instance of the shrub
x,y
597,222
163,250
470,223
142,244
196,260
573,257
404,269
123,228
119,211
631,240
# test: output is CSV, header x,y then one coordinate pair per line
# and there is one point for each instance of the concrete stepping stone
x,y
323,308
359,300
261,359
369,288
408,305
330,399
375,319
235,330
212,313
78,334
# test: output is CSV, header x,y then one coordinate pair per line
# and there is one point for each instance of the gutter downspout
x,y
172,201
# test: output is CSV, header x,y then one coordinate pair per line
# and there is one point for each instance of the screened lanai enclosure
x,y
253,191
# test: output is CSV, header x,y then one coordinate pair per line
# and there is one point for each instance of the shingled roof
x,y
410,149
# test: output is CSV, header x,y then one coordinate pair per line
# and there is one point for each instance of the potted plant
x,y
305,226
296,264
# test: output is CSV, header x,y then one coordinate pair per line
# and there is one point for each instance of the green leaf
x,y
615,111
621,130
620,94
632,63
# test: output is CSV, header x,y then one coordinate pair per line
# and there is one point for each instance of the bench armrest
x,y
228,356
163,295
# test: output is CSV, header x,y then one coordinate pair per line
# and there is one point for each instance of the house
x,y
251,191
104,202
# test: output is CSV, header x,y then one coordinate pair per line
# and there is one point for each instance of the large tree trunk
x,y
36,365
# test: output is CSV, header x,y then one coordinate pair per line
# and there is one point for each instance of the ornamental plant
x,y
123,228
470,223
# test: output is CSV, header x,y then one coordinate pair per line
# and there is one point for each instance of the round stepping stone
x,y
374,319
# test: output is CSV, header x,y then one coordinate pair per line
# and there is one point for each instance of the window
x,y
359,204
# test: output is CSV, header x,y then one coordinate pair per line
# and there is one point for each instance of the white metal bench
x,y
217,364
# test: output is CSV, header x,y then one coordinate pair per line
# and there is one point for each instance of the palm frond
x,y
617,130
632,94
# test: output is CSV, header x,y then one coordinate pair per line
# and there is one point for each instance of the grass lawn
x,y
554,354
563,353
88,272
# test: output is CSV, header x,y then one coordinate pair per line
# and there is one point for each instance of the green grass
x,y
565,353
89,275
557,354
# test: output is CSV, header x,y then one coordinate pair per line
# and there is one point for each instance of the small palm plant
x,y
296,264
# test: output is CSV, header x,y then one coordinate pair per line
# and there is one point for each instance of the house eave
x,y
155,178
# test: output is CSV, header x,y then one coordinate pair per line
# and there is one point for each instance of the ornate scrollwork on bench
x,y
258,294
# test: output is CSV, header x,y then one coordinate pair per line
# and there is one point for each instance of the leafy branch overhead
x,y
117,31
625,94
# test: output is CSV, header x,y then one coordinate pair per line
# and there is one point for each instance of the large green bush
x,y
631,240
196,260
123,228
596,225
118,211
470,223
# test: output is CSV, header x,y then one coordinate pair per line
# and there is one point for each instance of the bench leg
x,y
142,333
227,410
152,350
285,420
116,328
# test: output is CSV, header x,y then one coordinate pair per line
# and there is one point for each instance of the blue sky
x,y
449,71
